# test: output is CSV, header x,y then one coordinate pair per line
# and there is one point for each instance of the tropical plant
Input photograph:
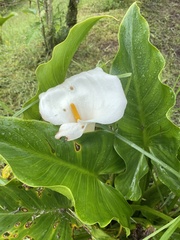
x,y
120,181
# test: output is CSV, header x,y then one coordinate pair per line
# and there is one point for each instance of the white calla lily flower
x,y
81,101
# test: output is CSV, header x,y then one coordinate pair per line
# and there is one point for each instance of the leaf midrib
x,y
49,157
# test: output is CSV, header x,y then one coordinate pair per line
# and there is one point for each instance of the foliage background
x,y
23,49
88,52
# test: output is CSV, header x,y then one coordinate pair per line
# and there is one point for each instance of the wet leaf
x,y
33,213
146,121
54,72
38,159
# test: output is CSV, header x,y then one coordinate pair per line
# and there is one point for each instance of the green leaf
x,y
145,122
29,213
4,19
3,181
75,168
54,71
172,225
98,234
30,10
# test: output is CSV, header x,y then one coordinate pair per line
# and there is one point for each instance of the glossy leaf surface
x,y
74,169
29,213
54,71
145,122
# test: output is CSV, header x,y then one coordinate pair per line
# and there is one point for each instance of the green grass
x,y
163,18
20,53
23,48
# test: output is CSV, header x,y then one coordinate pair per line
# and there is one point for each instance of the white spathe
x,y
83,100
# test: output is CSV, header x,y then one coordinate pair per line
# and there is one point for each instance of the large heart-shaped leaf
x,y
145,122
54,71
74,169
29,213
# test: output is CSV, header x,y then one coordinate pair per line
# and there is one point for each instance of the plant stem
x,y
139,149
